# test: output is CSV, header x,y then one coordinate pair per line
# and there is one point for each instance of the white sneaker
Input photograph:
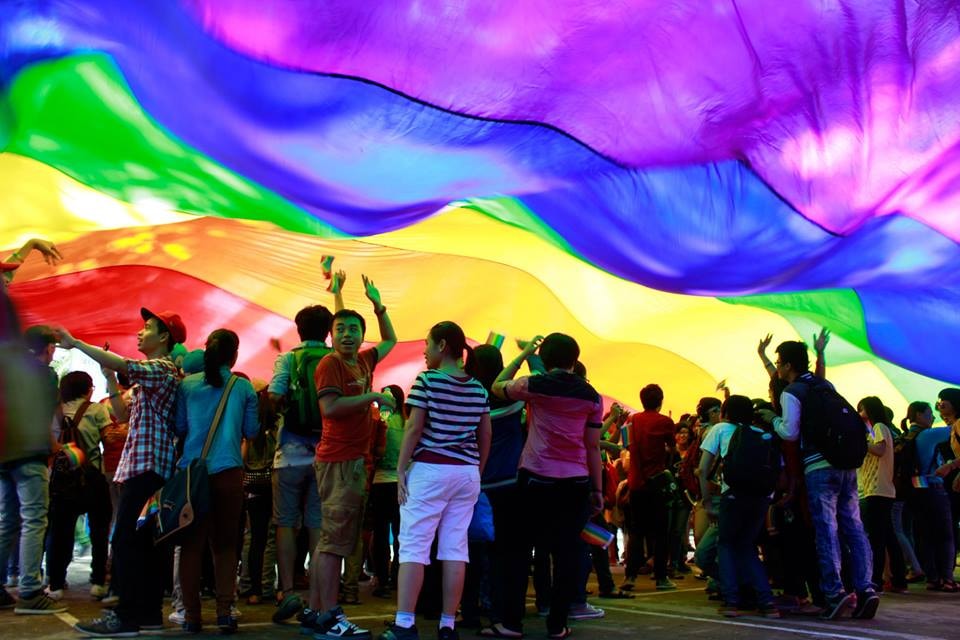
x,y
55,594
98,591
234,612
585,611
178,617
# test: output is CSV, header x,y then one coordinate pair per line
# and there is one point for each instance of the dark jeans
x,y
877,521
679,534
555,511
259,506
935,531
741,519
219,530
599,558
386,517
63,516
651,513
137,564
509,557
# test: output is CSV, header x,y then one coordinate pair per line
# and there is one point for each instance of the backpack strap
x,y
73,422
217,416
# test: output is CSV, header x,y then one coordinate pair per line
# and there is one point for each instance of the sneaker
x,y
109,626
55,594
393,632
729,610
178,617
446,633
340,627
290,606
585,611
40,604
665,585
836,606
111,599
7,601
768,611
98,591
227,625
235,613
867,604
629,582
312,622
192,627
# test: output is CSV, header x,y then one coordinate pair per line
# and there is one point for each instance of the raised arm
x,y
104,358
762,352
513,367
820,347
336,287
388,337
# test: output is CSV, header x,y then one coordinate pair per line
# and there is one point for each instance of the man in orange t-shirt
x,y
344,380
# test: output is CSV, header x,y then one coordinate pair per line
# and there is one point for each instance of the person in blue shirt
x,y
197,400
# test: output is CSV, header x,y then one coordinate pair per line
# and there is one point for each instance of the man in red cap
x,y
146,462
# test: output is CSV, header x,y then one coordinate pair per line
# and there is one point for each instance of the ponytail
x,y
220,351
454,336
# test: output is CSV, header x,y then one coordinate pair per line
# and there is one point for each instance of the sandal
x,y
493,631
617,595
560,635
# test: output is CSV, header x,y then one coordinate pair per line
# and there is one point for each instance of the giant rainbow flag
x,y
667,182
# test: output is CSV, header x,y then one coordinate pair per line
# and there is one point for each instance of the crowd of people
x,y
451,496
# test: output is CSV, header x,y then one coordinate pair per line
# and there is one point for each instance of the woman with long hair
x,y
198,397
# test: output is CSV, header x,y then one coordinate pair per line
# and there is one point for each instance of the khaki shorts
x,y
342,487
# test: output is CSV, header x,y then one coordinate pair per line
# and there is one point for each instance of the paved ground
x,y
686,613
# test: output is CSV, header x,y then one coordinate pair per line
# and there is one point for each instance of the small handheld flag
x,y
496,339
597,535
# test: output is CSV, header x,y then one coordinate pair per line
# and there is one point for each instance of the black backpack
x,y
753,462
832,426
68,483
905,462
302,414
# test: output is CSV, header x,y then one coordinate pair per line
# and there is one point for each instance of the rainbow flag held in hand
x,y
326,264
597,535
150,509
496,339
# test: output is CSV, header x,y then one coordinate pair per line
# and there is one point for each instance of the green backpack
x,y
302,415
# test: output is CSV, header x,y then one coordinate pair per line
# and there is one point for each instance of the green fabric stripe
x,y
78,115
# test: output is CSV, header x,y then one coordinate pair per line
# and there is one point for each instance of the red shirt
x,y
347,437
651,433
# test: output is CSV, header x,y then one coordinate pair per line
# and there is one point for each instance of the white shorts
x,y
440,498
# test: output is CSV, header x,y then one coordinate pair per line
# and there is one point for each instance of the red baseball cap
x,y
8,266
171,320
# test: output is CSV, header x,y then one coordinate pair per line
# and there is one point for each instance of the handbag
x,y
186,496
481,526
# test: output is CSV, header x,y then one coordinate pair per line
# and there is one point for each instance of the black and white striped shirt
x,y
454,407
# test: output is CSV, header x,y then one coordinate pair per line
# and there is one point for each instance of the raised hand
x,y
47,249
532,345
339,279
764,343
820,341
64,339
372,293
386,401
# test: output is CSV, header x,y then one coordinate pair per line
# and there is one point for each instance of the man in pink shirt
x,y
560,471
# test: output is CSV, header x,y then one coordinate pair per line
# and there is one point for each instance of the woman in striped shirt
x,y
443,453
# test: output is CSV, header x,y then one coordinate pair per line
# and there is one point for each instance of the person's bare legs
x,y
286,556
453,575
324,580
409,583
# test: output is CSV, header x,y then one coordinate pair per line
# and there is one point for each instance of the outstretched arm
x,y
104,358
513,367
388,337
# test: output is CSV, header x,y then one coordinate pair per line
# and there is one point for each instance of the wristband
x,y
382,310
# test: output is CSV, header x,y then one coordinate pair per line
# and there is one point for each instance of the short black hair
x,y
705,405
314,322
737,409
651,397
559,351
916,408
350,313
75,384
794,353
38,337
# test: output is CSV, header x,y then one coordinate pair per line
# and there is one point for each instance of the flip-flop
x,y
493,632
560,635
